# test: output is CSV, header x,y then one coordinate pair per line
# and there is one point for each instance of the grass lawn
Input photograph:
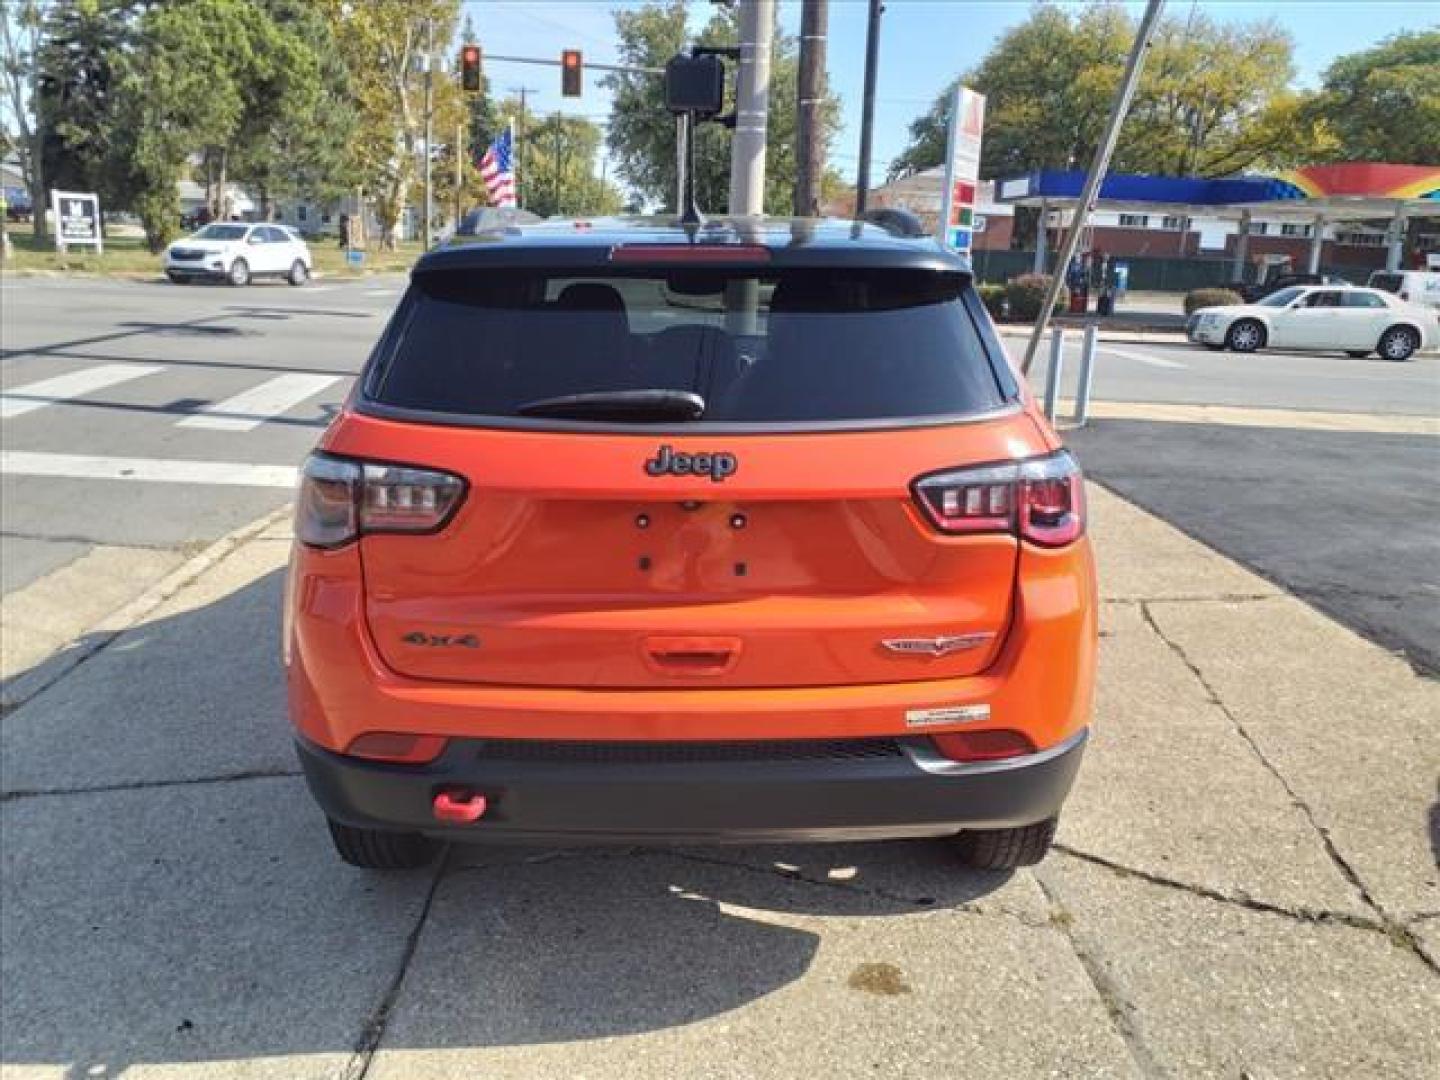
x,y
126,256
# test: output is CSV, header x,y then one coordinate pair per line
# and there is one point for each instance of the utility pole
x,y
515,149
429,133
867,109
809,156
460,152
555,159
1098,167
752,107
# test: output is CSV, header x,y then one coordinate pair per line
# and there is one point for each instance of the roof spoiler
x,y
896,222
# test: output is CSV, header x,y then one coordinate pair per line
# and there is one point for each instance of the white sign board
x,y
77,219
956,226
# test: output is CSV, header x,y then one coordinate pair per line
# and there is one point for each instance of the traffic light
x,y
470,69
572,72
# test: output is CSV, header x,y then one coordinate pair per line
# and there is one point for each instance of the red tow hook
x,y
462,807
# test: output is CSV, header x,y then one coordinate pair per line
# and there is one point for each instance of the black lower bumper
x,y
623,796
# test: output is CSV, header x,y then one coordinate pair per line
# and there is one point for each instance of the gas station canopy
x,y
1343,192
1350,191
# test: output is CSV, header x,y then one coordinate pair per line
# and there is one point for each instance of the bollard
x,y
1052,373
1087,375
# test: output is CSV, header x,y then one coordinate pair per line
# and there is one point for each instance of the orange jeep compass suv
x,y
638,532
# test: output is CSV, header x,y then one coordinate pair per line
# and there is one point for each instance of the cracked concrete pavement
x,y
1245,883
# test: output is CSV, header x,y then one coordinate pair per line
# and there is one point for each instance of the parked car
x,y
238,252
1261,289
635,533
1357,321
1415,286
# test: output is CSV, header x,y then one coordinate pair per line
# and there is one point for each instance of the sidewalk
x,y
1246,882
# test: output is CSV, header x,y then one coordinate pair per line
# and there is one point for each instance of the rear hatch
x,y
616,534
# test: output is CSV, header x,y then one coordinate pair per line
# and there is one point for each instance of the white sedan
x,y
238,252
1318,317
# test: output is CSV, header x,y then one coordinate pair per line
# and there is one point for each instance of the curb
x,y
19,689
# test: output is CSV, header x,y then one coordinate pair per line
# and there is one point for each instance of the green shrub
x,y
1025,294
1196,299
993,297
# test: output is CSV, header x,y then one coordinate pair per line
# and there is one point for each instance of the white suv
x,y
236,251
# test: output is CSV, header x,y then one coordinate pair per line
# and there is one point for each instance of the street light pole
x,y
1098,168
867,109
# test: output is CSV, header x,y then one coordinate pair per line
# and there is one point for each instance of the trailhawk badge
x,y
670,462
936,646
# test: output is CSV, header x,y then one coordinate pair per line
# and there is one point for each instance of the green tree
x,y
171,95
293,136
641,134
1383,104
1049,82
1213,99
75,102
559,175
383,44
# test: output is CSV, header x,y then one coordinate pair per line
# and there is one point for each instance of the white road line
x,y
19,400
1144,358
156,470
251,408
382,292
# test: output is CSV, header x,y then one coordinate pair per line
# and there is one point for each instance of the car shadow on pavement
x,y
170,894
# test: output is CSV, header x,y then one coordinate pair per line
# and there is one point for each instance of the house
x,y
920,194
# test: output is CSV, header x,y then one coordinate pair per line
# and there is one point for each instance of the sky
x,y
923,44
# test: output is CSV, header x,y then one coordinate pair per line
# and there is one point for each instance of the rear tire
x,y
1006,849
1398,343
376,849
298,273
239,272
1357,354
1246,335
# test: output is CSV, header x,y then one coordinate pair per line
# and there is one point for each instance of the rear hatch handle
x,y
687,655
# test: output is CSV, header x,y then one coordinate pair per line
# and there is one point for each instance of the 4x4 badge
x,y
670,462
936,646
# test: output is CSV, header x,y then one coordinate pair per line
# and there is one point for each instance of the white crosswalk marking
x,y
19,400
251,408
158,470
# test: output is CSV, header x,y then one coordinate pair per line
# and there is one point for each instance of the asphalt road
x,y
1182,373
1344,519
106,381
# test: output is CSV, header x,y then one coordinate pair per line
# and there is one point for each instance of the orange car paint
x,y
343,637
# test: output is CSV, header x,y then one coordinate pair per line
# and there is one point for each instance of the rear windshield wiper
x,y
627,406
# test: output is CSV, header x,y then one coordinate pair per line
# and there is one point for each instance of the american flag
x,y
497,169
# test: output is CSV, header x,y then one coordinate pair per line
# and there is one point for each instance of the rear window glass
x,y
787,346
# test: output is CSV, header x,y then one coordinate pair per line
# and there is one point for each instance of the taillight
x,y
1041,499
340,500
